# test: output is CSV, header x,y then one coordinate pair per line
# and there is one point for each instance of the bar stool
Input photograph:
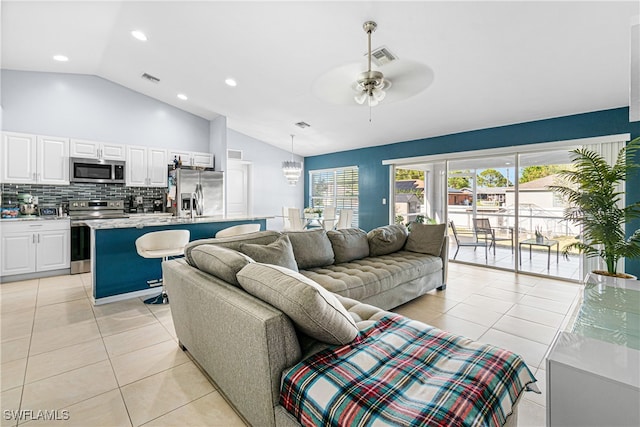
x,y
161,244
236,230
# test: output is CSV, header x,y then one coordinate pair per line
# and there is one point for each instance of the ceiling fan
x,y
348,85
371,84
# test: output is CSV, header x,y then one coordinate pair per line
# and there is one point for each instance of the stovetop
x,y
96,209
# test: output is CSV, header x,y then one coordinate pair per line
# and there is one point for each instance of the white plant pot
x,y
602,281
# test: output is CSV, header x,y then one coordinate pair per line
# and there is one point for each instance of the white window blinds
x,y
335,187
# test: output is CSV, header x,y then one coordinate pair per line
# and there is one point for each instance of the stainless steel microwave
x,y
98,171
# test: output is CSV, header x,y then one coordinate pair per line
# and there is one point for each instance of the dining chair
x,y
483,226
295,220
285,218
344,219
473,243
329,217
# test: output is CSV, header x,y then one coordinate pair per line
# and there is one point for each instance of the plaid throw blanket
x,y
402,372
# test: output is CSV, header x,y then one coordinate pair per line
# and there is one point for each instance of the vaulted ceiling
x,y
493,63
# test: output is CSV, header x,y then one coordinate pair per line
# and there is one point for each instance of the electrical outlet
x,y
384,201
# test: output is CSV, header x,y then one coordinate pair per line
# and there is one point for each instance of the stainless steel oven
x,y
81,212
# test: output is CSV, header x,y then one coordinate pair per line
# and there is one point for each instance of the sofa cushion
x,y
311,248
387,239
426,238
364,278
263,237
348,244
313,309
220,262
279,253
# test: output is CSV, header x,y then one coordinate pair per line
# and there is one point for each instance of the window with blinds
x,y
335,187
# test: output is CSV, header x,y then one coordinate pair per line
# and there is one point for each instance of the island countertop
x,y
153,220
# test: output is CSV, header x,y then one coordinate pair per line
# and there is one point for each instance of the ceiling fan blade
x,y
406,78
336,86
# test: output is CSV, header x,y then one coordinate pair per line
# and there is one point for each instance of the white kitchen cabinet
x,y
146,166
97,150
191,158
35,246
34,159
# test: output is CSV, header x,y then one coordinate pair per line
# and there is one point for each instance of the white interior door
x,y
238,188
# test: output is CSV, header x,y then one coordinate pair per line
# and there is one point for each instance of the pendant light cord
x,y
292,147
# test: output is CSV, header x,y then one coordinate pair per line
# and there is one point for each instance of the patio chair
x,y
483,226
474,243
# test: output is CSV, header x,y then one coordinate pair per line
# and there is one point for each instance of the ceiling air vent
x,y
151,78
234,154
382,55
303,125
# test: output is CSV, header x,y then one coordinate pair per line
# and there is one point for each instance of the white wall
x,y
90,107
270,188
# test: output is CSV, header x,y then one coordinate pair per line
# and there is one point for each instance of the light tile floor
x,y
119,364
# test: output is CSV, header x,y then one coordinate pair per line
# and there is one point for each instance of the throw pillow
x,y
348,244
314,310
220,262
311,248
279,253
426,238
387,239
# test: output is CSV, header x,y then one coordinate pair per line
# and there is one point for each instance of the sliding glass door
x,y
499,199
480,211
543,232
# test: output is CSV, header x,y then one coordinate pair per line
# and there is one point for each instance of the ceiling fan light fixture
x,y
371,84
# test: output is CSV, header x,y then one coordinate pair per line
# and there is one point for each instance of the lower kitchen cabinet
x,y
34,246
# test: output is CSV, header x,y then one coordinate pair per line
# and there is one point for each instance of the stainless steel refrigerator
x,y
197,188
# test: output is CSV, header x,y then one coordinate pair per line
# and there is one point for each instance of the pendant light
x,y
291,168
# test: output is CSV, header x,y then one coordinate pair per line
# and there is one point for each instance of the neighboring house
x,y
537,193
407,203
462,197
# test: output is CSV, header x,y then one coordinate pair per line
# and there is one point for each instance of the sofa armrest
x,y
241,342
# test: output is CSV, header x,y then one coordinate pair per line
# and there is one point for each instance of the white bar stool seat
x,y
162,245
236,230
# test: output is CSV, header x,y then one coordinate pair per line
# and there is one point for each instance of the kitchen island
x,y
118,271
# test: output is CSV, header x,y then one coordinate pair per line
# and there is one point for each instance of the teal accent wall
x,y
374,177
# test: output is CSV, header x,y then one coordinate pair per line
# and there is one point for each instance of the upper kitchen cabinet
x,y
34,159
191,158
97,150
146,167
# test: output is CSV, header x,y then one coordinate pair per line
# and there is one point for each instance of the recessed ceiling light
x,y
61,58
139,35
182,96
231,82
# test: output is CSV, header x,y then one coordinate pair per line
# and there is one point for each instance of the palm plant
x,y
594,204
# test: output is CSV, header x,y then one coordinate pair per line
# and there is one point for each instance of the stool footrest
x,y
154,282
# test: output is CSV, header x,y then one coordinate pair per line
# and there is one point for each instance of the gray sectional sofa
x,y
244,343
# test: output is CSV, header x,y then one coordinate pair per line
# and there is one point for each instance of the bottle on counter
x,y
175,162
179,161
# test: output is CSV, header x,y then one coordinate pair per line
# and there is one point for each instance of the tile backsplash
x,y
54,195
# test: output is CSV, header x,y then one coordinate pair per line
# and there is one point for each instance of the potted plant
x,y
590,189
